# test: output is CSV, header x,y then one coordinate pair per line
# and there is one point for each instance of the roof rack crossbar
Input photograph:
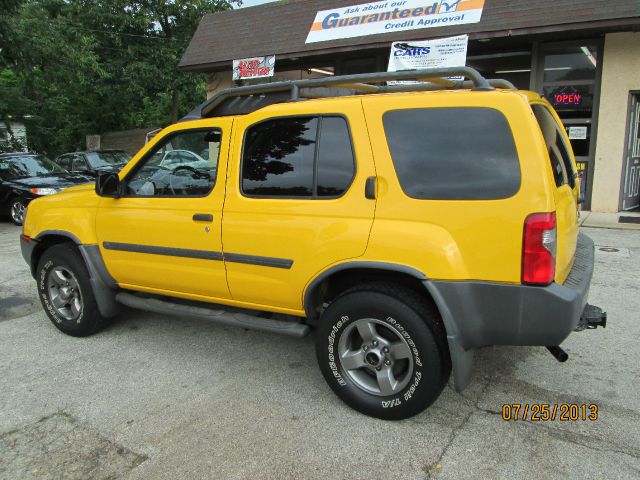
x,y
436,78
428,86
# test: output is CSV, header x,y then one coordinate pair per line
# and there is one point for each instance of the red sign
x,y
574,99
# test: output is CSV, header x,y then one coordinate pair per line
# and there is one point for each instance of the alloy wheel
x,y
376,356
64,293
17,211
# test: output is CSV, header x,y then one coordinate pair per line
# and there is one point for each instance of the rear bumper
x,y
480,313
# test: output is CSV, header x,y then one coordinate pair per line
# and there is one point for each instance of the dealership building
x,y
582,55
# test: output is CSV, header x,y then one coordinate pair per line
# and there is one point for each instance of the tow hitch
x,y
592,317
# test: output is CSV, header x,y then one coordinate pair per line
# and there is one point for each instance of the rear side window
x,y
559,156
298,157
453,153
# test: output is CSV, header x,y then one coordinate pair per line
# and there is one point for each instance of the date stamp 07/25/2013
x,y
544,412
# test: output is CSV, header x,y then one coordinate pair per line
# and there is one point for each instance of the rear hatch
x,y
567,186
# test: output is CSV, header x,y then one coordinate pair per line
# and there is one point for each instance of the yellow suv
x,y
407,223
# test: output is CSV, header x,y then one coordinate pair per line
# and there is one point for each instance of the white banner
x,y
440,53
254,67
392,16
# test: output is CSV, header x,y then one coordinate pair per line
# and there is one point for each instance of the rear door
x,y
295,200
567,187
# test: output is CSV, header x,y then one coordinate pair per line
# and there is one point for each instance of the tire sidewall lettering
x,y
333,336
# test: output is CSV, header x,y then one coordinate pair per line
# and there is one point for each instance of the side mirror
x,y
108,185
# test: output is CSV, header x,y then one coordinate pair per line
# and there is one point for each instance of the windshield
x,y
105,159
28,166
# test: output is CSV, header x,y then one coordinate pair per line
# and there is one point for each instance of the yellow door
x,y
163,234
296,199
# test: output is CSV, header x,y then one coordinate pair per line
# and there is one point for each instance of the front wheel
x,y
383,351
17,210
65,292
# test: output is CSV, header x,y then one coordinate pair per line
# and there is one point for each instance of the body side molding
x,y
168,251
200,254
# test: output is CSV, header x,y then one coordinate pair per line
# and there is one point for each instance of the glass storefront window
x,y
512,66
570,63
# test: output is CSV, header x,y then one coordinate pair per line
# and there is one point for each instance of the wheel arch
x,y
47,239
337,278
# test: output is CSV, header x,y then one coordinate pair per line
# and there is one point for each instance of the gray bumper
x,y
498,314
477,314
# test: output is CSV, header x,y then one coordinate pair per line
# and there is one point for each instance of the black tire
x,y
395,312
66,260
17,209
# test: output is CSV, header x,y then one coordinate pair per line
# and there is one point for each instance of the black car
x,y
95,162
25,176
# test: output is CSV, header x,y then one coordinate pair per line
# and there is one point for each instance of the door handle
x,y
202,217
370,188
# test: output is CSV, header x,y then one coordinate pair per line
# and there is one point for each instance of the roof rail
x,y
237,100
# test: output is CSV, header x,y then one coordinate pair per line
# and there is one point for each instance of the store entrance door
x,y
631,185
567,74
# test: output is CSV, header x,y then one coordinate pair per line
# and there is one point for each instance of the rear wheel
x,y
383,351
65,292
17,209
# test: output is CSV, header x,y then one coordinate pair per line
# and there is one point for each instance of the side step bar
x,y
221,316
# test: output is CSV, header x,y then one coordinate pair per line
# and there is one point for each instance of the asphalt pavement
x,y
161,397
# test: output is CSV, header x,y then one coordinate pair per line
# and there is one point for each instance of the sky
x,y
251,3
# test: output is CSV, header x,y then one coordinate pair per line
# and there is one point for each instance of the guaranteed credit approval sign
x,y
392,16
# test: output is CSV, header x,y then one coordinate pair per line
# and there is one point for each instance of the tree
x,y
85,67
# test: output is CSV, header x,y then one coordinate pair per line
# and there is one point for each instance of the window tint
x,y
183,164
453,153
298,157
559,155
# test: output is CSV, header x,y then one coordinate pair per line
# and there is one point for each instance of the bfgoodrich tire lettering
x,y
65,292
383,351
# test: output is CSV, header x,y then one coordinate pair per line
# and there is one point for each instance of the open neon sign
x,y
566,99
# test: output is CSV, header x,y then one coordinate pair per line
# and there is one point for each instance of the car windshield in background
x,y
28,166
105,159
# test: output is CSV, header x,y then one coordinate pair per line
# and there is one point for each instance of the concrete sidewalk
x,y
608,220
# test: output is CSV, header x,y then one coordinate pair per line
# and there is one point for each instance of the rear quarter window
x,y
453,153
559,155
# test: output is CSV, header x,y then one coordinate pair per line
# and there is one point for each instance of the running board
x,y
219,315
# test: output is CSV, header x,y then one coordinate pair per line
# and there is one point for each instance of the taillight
x,y
539,249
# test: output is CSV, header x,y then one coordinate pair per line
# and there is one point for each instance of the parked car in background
x,y
25,176
93,163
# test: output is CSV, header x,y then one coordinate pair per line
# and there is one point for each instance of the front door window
x,y
184,164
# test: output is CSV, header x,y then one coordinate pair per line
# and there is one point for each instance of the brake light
x,y
539,249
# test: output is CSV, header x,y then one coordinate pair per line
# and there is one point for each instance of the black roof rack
x,y
249,98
